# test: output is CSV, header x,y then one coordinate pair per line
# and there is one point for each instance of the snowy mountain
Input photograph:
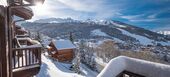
x,y
96,29
164,32
55,20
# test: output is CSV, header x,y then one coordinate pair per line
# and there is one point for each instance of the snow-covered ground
x,y
143,40
52,68
118,25
87,72
98,32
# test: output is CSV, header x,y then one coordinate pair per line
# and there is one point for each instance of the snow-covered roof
x,y
63,44
142,67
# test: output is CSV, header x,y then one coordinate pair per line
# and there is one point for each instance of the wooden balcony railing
x,y
22,36
27,56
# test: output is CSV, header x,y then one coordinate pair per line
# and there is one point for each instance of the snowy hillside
x,y
96,29
98,32
143,40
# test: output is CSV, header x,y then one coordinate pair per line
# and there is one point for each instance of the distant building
x,y
63,50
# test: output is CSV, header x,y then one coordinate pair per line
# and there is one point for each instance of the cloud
x,y
129,11
152,16
132,17
85,5
138,18
77,9
156,13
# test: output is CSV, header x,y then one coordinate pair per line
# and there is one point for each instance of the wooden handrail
x,y
22,36
24,57
23,48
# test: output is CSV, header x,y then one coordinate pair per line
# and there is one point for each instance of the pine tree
x,y
39,37
71,37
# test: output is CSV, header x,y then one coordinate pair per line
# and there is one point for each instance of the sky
x,y
149,14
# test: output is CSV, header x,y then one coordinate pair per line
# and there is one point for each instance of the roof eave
x,y
35,1
23,13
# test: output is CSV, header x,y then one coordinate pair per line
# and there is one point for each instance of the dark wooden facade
x,y
16,61
4,49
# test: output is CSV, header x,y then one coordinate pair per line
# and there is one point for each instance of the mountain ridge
x,y
82,29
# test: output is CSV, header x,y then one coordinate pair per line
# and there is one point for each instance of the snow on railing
x,y
3,2
141,67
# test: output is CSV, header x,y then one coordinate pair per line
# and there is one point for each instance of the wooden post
x,y
4,43
10,34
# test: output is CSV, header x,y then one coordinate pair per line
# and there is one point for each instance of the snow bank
x,y
50,68
113,68
142,67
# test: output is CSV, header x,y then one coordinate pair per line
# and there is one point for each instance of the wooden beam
x,y
35,1
2,11
4,51
9,29
23,12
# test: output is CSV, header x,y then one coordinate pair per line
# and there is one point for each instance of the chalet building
x,y
62,50
19,57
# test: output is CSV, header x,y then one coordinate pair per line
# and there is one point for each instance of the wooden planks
x,y
23,12
29,57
